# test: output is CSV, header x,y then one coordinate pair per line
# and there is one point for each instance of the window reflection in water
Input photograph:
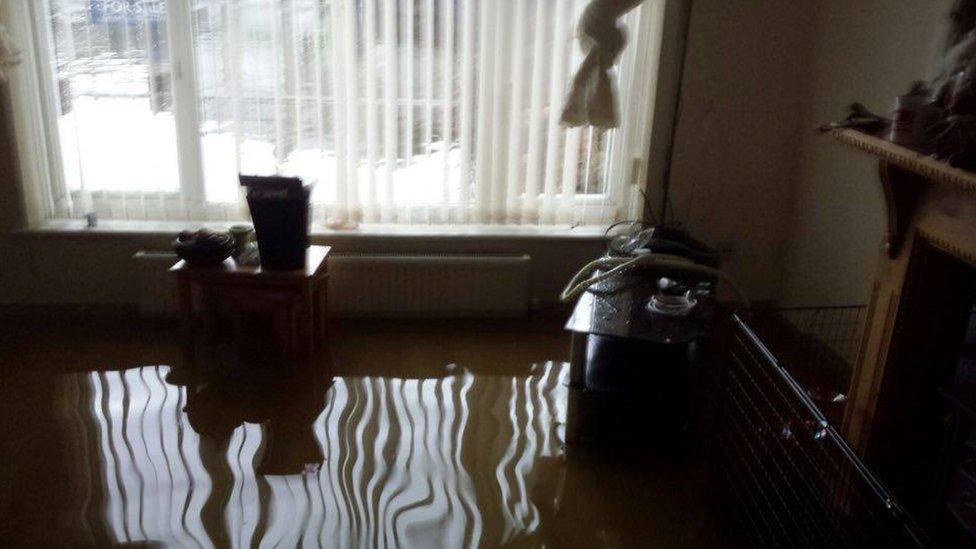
x,y
447,461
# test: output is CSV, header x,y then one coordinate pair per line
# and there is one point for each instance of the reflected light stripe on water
x,y
345,455
132,480
114,511
528,514
410,502
403,439
199,482
464,484
172,466
446,413
300,513
341,531
379,479
502,467
182,485
357,456
397,470
150,419
243,510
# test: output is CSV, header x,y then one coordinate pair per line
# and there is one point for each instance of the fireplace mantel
x,y
905,176
928,201
913,161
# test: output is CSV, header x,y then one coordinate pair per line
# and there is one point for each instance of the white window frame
x,y
36,121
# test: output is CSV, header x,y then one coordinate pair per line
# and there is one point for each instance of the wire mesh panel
x,y
791,479
838,329
817,346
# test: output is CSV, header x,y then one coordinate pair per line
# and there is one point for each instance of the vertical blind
x,y
400,111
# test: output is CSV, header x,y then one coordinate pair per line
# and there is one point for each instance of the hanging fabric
x,y
9,52
591,100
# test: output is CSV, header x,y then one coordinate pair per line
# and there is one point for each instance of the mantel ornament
x,y
939,117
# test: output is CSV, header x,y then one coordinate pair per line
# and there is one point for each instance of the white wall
x,y
13,260
869,51
735,150
804,214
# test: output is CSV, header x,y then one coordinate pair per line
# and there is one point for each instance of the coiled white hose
x,y
618,265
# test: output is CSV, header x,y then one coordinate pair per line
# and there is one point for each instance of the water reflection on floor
x,y
445,458
449,462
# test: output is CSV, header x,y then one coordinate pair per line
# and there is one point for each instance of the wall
x,y
802,216
869,51
735,146
13,260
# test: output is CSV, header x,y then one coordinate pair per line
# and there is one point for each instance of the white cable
x,y
619,265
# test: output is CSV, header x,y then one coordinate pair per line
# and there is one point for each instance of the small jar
x,y
914,115
243,235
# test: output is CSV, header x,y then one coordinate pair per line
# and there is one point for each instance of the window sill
x,y
110,228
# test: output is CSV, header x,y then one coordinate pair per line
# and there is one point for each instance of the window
x,y
401,111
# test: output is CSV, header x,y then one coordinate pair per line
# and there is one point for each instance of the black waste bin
x,y
280,212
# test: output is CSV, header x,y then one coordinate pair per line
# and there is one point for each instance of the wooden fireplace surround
x,y
927,200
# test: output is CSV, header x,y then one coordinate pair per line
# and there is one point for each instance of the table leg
x,y
308,319
322,299
181,374
211,362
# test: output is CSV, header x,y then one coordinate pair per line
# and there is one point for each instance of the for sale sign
x,y
132,12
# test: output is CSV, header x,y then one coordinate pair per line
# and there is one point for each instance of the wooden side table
x,y
306,288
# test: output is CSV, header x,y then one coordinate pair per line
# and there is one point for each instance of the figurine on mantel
x,y
954,92
937,119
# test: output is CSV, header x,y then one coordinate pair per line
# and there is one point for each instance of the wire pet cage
x,y
817,345
790,477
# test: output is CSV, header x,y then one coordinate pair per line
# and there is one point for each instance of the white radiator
x,y
395,286
384,286
158,295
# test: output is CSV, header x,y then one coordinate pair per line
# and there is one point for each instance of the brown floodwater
x,y
446,457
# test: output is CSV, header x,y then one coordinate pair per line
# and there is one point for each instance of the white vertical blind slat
x,y
370,205
297,74
571,151
485,130
390,101
447,106
339,112
516,116
429,56
499,110
569,175
467,108
128,209
349,33
554,131
234,46
320,111
536,118
143,24
277,49
407,16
